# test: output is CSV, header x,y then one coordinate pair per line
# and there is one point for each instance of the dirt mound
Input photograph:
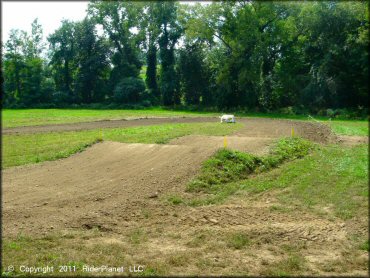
x,y
255,145
109,175
53,194
276,128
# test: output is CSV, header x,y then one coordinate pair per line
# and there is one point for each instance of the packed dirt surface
x,y
352,140
74,187
122,190
257,145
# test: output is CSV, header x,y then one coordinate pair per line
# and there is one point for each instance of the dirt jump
x,y
108,186
112,175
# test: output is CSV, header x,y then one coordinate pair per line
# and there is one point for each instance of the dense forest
x,y
241,55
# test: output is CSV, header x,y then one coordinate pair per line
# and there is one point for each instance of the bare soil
x,y
352,140
119,188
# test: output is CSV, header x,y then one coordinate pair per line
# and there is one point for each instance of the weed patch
x,y
229,166
238,241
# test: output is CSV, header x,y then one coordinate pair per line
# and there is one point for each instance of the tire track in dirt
x,y
105,176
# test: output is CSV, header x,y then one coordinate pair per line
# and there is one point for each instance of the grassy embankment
x,y
332,174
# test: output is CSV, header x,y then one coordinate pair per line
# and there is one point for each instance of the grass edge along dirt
x,y
31,117
25,149
227,166
330,180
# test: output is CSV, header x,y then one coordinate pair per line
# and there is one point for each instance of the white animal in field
x,y
227,119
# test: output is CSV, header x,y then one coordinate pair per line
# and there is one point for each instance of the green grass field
x,y
30,117
360,128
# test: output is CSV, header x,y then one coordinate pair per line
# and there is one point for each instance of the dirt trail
x,y
120,188
254,127
105,124
106,175
52,195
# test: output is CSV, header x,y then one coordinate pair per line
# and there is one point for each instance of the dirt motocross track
x,y
110,185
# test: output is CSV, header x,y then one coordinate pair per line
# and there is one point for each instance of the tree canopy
x,y
240,55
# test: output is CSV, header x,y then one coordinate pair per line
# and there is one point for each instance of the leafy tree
x,y
129,90
231,54
63,49
24,67
193,73
92,60
150,31
13,65
170,32
119,19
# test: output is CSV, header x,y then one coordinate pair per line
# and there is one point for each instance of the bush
x,y
330,113
229,165
129,90
287,110
60,98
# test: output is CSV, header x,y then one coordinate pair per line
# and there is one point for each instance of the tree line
x,y
261,56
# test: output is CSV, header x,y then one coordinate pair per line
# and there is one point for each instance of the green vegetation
x,y
260,56
30,117
332,176
365,246
229,165
33,148
138,236
350,127
294,263
238,241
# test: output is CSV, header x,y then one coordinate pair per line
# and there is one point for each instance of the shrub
x,y
287,110
129,90
229,165
330,113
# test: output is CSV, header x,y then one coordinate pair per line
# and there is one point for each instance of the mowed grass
x,y
334,177
31,117
360,128
34,148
